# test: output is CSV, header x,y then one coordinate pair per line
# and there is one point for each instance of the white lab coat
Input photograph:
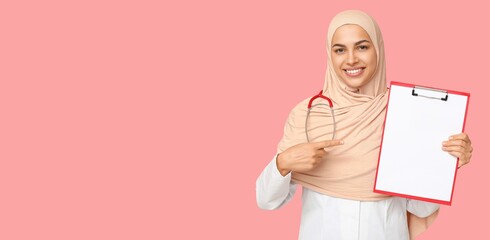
x,y
325,217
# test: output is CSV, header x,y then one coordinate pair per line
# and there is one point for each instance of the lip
x,y
356,74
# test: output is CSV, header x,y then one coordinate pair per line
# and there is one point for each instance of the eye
x,y
363,47
339,50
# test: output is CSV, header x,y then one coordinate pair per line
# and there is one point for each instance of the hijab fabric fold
x,y
347,171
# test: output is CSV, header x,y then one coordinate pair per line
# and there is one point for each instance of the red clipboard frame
x,y
382,137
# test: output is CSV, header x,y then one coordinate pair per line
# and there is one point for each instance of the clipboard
x,y
411,161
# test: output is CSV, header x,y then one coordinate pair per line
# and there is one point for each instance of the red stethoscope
x,y
310,106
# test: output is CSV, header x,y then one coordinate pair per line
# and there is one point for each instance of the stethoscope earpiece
x,y
310,106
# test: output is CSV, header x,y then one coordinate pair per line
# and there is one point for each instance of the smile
x,y
354,72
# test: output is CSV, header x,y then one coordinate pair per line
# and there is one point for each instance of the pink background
x,y
151,120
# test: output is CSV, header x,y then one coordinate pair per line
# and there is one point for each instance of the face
x,y
353,55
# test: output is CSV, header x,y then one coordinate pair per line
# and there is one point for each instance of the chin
x,y
356,84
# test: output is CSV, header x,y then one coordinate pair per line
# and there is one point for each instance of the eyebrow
x,y
357,43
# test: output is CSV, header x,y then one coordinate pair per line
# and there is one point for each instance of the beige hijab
x,y
347,171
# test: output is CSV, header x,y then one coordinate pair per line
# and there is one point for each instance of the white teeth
x,y
354,71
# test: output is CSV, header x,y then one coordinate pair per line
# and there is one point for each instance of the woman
x,y
338,175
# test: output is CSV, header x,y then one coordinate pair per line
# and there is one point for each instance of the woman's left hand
x,y
459,145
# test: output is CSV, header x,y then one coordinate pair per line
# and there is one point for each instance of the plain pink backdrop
x,y
152,120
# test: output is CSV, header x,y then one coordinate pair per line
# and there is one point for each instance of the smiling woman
x,y
338,175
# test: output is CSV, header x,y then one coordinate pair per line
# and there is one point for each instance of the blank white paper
x,y
411,160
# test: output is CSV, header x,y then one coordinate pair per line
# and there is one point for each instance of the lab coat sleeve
x,y
272,189
421,209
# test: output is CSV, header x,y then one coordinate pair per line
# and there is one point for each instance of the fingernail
x,y
451,138
342,142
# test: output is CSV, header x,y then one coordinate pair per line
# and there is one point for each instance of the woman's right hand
x,y
304,156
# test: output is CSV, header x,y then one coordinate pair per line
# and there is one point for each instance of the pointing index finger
x,y
329,143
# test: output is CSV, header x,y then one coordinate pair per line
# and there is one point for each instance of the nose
x,y
352,58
